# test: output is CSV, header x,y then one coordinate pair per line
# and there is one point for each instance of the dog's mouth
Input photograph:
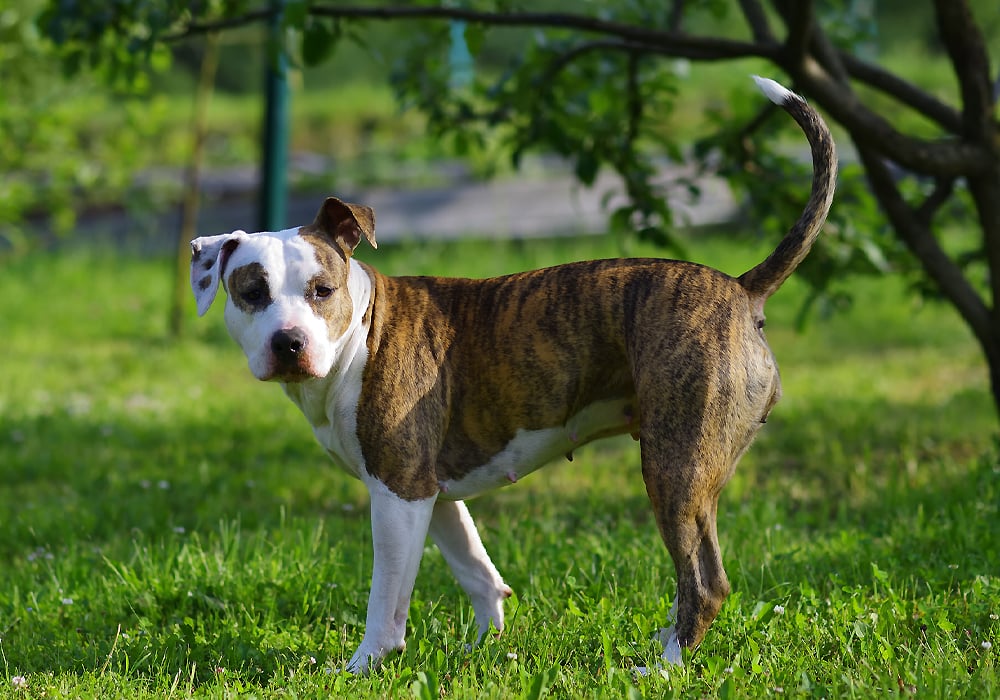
x,y
291,375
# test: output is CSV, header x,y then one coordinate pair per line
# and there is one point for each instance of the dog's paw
x,y
671,646
369,657
656,669
671,655
489,611
358,665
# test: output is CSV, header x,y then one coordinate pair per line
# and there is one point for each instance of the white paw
x,y
369,656
667,637
489,612
650,670
671,646
358,664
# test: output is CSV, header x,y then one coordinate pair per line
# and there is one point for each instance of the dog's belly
x,y
530,450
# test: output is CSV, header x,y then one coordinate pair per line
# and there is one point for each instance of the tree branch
x,y
798,16
676,15
757,20
967,51
571,54
656,41
985,193
917,236
905,92
827,54
943,158
196,28
943,189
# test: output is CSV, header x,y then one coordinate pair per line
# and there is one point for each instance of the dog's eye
x,y
322,291
253,295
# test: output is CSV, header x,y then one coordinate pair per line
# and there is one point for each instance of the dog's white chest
x,y
530,450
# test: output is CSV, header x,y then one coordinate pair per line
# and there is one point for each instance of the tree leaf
x,y
317,42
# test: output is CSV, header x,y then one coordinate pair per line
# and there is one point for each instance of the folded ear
x,y
346,223
209,255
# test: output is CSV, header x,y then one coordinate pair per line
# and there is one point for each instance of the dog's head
x,y
288,296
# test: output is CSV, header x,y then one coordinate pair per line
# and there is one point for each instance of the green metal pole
x,y
274,180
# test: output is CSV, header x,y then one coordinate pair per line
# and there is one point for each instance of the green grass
x,y
169,528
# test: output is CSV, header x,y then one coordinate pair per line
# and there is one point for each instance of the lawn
x,y
169,528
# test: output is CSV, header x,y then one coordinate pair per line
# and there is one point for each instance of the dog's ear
x,y
209,255
346,223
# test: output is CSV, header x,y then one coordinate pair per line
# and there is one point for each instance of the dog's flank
x,y
431,390
764,280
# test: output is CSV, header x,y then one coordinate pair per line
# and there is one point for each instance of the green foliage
x,y
64,143
598,102
597,108
171,528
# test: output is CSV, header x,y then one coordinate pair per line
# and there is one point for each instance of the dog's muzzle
x,y
289,348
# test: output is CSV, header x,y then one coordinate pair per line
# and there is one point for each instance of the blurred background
x,y
90,152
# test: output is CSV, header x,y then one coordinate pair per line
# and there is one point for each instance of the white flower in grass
x,y
41,553
163,484
779,609
994,616
512,655
312,660
987,645
19,682
67,601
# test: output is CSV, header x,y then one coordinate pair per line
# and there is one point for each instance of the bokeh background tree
x,y
601,84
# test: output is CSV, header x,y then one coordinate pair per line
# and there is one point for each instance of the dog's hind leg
x,y
455,534
683,483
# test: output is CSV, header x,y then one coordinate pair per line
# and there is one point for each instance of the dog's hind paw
x,y
650,670
671,656
671,646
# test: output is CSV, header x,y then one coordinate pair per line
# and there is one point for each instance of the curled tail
x,y
763,280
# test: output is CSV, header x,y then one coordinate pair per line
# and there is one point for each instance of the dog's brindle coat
x,y
433,390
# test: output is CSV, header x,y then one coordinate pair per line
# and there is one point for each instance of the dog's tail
x,y
763,280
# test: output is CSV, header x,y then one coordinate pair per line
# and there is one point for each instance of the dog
x,y
434,390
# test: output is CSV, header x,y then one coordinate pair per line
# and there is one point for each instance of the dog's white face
x,y
289,298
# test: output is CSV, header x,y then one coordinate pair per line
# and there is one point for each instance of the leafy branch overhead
x,y
593,85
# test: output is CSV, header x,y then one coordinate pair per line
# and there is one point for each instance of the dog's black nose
x,y
288,344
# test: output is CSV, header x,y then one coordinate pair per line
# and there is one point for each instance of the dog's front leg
x,y
455,534
399,530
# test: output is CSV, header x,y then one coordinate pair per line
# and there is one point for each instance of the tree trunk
x,y
192,184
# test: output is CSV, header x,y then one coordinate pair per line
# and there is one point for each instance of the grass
x,y
170,529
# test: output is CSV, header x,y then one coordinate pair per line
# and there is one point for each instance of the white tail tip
x,y
777,93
